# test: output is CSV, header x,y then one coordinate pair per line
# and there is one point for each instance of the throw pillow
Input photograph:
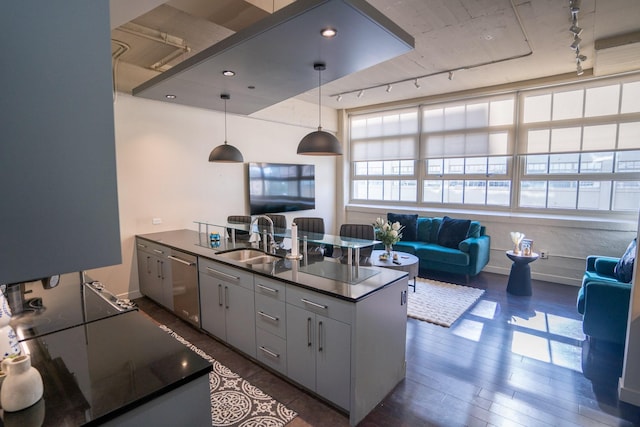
x,y
410,223
453,231
623,270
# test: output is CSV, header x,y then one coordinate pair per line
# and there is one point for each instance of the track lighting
x,y
450,75
360,93
339,98
581,57
416,84
389,88
579,69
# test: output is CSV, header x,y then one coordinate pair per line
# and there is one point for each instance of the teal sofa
x,y
466,254
603,301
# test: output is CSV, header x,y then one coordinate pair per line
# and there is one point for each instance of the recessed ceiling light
x,y
228,73
328,32
170,96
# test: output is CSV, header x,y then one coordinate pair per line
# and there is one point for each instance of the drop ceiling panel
x,y
277,54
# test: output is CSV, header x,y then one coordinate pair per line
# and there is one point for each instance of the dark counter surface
x,y
325,275
96,362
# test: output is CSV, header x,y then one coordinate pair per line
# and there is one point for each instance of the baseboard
x,y
130,295
628,395
535,275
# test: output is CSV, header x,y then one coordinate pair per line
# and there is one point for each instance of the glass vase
x,y
388,249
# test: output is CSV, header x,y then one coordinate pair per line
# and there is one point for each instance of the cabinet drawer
x,y
271,315
152,248
325,305
227,273
272,351
271,289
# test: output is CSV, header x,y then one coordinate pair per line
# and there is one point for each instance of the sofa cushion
x,y
409,222
453,231
624,269
474,229
424,229
438,254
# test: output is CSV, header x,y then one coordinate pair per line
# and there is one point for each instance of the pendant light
x,y
225,153
320,143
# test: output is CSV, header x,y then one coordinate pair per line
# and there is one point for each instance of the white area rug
x,y
234,401
439,302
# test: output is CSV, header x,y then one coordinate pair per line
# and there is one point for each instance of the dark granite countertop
x,y
96,362
320,274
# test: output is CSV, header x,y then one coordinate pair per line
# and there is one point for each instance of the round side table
x,y
520,276
405,262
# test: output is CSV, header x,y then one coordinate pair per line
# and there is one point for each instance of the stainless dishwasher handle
x,y
308,331
220,295
224,275
263,314
315,304
226,297
189,263
269,352
266,288
320,336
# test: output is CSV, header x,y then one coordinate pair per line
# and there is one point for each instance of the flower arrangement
x,y
387,232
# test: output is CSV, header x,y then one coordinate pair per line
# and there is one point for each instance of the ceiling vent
x,y
271,58
617,54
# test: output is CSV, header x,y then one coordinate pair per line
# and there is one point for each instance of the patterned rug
x,y
439,302
234,401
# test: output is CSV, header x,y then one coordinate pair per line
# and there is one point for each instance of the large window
x,y
580,148
570,147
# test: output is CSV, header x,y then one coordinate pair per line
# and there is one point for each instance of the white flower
x,y
386,227
394,233
395,226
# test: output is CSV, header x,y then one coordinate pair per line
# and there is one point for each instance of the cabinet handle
x,y
162,270
158,251
315,304
189,263
148,265
226,297
266,288
220,295
263,314
224,275
140,245
320,336
308,331
158,275
269,352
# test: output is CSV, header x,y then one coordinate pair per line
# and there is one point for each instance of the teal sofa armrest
x,y
604,266
478,249
606,310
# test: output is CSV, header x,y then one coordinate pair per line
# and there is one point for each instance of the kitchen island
x,y
337,330
105,365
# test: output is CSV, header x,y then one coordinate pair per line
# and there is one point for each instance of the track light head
x,y
360,93
339,98
389,87
416,84
575,29
450,75
576,43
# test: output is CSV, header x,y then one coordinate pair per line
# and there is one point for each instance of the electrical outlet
x,y
156,221
544,254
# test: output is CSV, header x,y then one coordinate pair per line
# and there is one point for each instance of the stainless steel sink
x,y
249,256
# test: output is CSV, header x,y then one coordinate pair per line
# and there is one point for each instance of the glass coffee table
x,y
405,262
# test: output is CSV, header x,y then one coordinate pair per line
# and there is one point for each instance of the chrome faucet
x,y
255,236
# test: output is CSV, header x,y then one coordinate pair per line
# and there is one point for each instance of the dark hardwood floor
x,y
508,361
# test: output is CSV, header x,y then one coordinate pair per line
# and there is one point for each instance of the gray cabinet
x,y
271,323
227,304
319,346
154,272
57,159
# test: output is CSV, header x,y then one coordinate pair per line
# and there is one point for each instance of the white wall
x,y
163,170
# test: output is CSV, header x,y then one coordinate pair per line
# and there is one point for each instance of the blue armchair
x,y
604,301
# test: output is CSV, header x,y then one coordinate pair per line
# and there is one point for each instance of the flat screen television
x,y
280,187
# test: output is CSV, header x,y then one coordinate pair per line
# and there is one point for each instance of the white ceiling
x,y
484,42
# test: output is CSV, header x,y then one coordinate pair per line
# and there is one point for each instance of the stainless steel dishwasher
x,y
184,272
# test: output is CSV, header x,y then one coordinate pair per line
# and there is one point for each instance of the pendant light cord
x,y
319,99
225,121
